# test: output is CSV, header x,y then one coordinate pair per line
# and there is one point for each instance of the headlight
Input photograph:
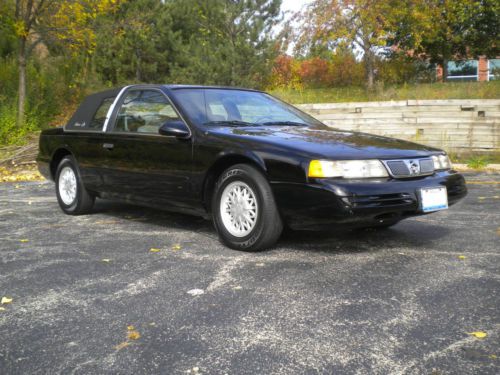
x,y
347,168
441,162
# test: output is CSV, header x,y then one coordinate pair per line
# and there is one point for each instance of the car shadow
x,y
151,216
414,233
407,234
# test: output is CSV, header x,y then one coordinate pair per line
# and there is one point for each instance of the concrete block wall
x,y
458,126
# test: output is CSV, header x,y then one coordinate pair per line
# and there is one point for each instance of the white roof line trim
x,y
112,108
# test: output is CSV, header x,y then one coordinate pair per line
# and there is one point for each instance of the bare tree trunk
x,y
445,70
369,69
138,73
21,98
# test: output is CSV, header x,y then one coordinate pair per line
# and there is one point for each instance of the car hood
x,y
323,142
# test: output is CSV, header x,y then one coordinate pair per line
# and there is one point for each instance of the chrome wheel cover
x,y
67,185
238,209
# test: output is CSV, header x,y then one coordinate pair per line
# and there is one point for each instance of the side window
x,y
144,111
99,118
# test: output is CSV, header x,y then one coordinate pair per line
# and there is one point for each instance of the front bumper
x,y
324,203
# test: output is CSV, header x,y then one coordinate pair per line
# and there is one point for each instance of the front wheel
x,y
72,196
244,211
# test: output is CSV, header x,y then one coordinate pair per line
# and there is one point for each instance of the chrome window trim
x,y
112,108
142,88
407,162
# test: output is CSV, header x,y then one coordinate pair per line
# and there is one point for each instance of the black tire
x,y
83,201
268,226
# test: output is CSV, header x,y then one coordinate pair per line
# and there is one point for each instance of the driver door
x,y
141,164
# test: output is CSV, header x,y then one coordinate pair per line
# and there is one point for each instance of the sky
x,y
293,5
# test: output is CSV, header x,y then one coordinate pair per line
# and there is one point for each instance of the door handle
x,y
108,146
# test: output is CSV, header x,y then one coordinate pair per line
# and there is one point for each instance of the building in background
x,y
482,69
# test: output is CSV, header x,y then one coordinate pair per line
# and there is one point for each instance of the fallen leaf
x,y
5,300
2,308
196,292
462,257
154,250
24,240
102,222
176,247
492,356
498,231
106,260
130,328
133,335
122,345
478,334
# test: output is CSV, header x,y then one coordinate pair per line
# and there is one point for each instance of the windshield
x,y
238,108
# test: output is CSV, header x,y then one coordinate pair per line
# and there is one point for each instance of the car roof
x,y
115,91
177,86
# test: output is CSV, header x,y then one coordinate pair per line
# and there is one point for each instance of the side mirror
x,y
175,128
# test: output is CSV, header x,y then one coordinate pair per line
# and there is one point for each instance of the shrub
x,y
51,85
315,72
10,134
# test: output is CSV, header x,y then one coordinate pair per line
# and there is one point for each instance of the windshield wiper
x,y
229,122
289,123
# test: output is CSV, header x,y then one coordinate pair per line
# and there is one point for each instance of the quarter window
x,y
99,118
144,111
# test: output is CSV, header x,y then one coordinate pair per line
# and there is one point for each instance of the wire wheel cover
x,y
239,209
67,185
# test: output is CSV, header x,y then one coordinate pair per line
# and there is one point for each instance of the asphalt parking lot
x,y
89,295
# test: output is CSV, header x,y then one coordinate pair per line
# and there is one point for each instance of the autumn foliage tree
x,y
360,25
39,21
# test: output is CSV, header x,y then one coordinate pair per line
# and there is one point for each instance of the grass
x,y
475,160
448,90
478,162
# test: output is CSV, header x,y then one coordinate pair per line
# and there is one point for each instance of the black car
x,y
247,160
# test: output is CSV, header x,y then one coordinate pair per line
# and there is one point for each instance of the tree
x,y
483,38
361,25
225,42
442,30
36,21
135,42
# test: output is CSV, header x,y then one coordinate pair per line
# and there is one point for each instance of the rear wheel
x,y
244,211
72,196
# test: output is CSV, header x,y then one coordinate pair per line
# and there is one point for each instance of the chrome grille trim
x,y
408,168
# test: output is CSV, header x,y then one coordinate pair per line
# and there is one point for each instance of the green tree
x,y
135,42
225,42
38,21
442,30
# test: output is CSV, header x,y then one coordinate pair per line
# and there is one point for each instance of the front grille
x,y
405,168
426,166
398,168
